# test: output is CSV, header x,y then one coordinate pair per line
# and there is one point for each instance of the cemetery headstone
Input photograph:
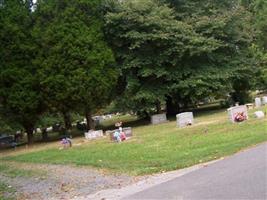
x,y
127,131
159,118
93,134
264,100
259,114
257,102
184,119
238,113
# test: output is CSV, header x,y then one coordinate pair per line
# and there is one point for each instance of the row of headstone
x,y
182,119
93,134
260,101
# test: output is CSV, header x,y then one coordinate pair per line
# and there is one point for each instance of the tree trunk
x,y
158,107
67,120
29,131
172,108
44,135
90,124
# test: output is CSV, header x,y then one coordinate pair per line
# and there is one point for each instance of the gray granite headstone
x,y
184,119
159,118
264,100
257,102
234,111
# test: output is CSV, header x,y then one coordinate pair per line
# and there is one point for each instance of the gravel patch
x,y
65,182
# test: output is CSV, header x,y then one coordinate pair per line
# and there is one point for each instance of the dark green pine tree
x,y
75,64
20,96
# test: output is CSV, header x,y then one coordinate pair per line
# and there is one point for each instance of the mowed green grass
x,y
164,147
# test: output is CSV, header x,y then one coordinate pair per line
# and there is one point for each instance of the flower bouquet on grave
x,y
239,117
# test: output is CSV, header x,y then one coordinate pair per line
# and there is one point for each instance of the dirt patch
x,y
64,182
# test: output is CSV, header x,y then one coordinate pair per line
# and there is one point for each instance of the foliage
x,y
199,49
75,64
19,86
151,46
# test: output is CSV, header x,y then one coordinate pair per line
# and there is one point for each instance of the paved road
x,y
241,176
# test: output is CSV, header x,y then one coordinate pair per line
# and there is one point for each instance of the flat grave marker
x,y
259,114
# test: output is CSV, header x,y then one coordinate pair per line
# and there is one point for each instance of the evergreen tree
x,y
76,66
20,95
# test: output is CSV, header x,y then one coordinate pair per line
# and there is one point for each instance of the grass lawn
x,y
6,192
13,171
160,147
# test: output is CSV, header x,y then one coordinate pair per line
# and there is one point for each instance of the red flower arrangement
x,y
239,117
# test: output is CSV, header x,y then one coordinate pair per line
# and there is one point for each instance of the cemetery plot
x,y
158,119
184,119
238,113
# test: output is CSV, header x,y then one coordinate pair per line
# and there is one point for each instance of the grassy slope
x,y
161,147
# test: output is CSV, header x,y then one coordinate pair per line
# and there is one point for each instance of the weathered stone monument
x,y
264,100
259,114
159,118
238,113
93,134
257,102
184,119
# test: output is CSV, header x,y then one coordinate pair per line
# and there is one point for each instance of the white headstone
x,y
184,119
257,102
264,100
93,134
159,118
259,114
237,113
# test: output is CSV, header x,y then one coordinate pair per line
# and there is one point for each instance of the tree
x,y
151,46
76,66
260,15
20,95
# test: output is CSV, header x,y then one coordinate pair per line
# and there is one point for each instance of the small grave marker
x,y
257,102
184,119
238,113
264,100
158,119
93,134
259,114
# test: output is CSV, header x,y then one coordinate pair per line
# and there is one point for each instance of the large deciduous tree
x,y
150,45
